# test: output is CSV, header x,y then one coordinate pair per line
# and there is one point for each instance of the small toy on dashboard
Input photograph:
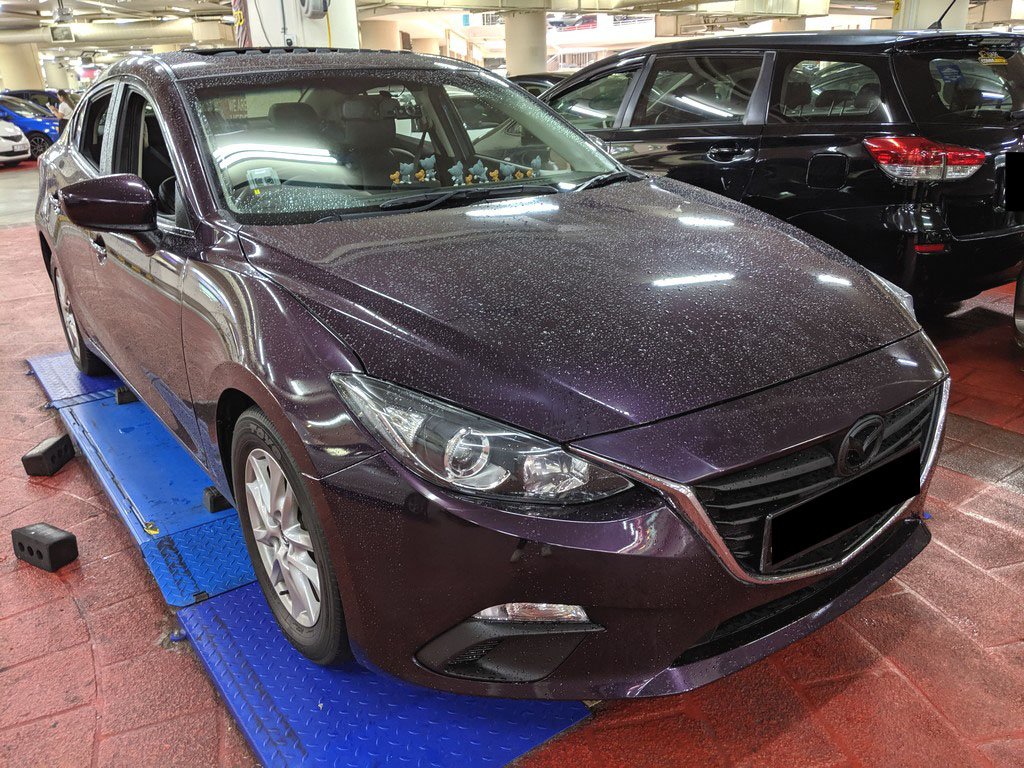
x,y
477,173
428,166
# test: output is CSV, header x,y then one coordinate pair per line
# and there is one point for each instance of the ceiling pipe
x,y
140,32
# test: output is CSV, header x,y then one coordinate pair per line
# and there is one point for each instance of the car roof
x,y
850,41
860,38
218,62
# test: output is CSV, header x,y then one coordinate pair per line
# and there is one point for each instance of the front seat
x,y
370,138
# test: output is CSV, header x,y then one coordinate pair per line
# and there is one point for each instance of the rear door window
x,y
973,86
682,90
832,90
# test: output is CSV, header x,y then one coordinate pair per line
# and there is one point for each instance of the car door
x,y
697,117
812,164
596,103
86,155
140,275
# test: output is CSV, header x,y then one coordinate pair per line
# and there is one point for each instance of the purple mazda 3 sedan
x,y
498,415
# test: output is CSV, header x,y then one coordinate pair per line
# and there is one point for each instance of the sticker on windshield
x,y
262,177
990,58
950,72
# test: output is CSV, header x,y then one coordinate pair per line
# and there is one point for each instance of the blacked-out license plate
x,y
809,525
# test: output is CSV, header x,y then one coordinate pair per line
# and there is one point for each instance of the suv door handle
x,y
730,154
99,249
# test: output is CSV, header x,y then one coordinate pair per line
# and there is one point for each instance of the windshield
x,y
308,145
982,84
24,108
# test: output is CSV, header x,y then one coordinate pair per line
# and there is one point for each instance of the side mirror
x,y
119,203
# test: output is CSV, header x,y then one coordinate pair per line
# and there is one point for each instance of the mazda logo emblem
x,y
861,445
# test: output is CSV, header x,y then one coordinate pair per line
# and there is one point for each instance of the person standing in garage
x,y
63,110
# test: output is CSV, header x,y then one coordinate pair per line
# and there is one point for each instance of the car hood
x,y
583,312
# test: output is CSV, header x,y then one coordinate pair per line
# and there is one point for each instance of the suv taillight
x,y
914,158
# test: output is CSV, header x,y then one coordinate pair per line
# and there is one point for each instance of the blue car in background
x,y
39,125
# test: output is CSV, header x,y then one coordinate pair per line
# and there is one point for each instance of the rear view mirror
x,y
119,203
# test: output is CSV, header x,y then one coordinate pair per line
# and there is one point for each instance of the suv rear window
x,y
976,85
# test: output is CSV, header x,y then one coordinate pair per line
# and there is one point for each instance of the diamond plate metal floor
x,y
292,712
299,714
65,385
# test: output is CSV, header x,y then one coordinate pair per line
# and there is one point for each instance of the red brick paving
x,y
87,677
928,671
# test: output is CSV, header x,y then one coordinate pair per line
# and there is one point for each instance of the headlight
x,y
898,293
471,453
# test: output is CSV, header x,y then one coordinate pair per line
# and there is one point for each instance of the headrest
x,y
379,107
868,96
166,195
798,94
832,97
292,114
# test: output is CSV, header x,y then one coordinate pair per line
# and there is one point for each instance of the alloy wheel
x,y
67,315
38,145
284,544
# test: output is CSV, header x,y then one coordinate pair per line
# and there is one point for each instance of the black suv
x,y
895,147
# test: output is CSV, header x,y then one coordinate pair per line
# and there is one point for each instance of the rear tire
x,y
87,362
286,541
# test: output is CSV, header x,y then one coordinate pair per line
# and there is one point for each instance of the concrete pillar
x,y
378,34
56,75
430,45
788,25
344,24
920,14
19,66
526,42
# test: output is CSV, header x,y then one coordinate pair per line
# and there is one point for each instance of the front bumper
x,y
13,151
415,563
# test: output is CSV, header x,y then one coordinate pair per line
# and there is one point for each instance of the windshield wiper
x,y
424,201
604,179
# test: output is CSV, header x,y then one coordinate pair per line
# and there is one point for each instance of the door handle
x,y
730,154
99,249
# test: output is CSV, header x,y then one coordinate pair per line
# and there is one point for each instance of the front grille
x,y
738,503
12,152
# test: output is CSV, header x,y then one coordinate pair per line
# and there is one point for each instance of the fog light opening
x,y
551,612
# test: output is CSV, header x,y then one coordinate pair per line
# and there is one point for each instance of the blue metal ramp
x,y
292,712
297,713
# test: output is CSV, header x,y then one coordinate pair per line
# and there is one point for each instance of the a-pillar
x,y
920,14
380,35
56,75
19,66
430,45
526,42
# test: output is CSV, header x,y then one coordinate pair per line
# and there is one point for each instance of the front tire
x,y
286,542
38,143
87,362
